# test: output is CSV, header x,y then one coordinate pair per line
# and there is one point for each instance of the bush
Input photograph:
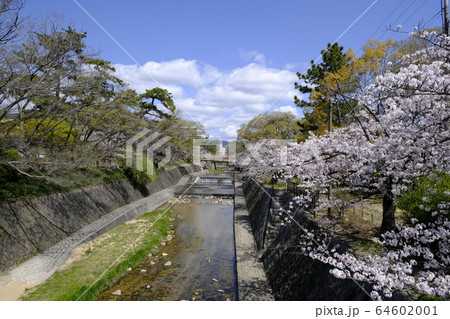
x,y
15,186
423,197
114,176
9,155
136,178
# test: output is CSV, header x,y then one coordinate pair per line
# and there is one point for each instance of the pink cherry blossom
x,y
401,133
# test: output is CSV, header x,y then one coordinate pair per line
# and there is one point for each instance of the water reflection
x,y
201,256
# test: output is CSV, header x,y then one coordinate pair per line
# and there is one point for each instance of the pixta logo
x,y
199,155
255,149
140,150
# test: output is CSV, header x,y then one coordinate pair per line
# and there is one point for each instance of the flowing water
x,y
201,253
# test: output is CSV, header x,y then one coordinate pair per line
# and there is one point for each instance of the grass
x,y
15,186
280,186
89,176
357,226
73,281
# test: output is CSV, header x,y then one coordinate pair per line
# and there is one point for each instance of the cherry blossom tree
x,y
401,133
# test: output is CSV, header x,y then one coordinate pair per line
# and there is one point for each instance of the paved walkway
x,y
252,281
42,266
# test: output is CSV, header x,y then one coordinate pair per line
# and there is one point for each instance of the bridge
x,y
209,185
217,159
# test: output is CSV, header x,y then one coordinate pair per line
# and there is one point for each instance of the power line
x,y
320,56
405,11
395,21
401,15
415,12
141,67
432,18
392,12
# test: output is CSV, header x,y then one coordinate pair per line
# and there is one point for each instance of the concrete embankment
x,y
52,226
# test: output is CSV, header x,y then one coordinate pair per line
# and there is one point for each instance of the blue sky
x,y
227,61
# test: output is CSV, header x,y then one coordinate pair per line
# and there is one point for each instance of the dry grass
x,y
90,260
357,226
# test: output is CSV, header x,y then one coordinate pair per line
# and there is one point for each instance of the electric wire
x,y
432,18
398,18
319,57
395,21
382,23
415,11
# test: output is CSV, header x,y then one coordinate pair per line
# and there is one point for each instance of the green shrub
x,y
137,178
15,186
423,197
424,297
114,176
9,155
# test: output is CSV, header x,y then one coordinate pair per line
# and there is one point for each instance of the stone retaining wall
x,y
31,226
292,275
258,202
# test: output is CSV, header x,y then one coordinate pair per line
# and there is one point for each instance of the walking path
x,y
42,266
252,281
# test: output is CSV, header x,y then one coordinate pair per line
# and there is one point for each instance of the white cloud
x,y
182,72
168,74
258,79
291,66
220,100
253,56
289,108
227,96
230,131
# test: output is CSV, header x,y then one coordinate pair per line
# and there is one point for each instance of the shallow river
x,y
201,253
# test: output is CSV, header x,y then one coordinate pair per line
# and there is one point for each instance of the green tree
x,y
425,196
62,105
315,110
343,85
336,82
277,125
149,106
182,134
63,108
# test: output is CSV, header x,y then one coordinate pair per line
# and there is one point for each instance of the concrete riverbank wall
x,y
31,226
291,274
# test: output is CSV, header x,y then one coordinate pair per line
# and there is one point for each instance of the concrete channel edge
x,y
251,278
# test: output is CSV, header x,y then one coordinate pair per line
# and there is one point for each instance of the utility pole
x,y
330,129
446,19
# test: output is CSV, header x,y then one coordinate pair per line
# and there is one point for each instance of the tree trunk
x,y
389,206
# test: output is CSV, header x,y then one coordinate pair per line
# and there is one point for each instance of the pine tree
x,y
315,110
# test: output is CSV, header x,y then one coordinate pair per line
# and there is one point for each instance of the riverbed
x,y
197,263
